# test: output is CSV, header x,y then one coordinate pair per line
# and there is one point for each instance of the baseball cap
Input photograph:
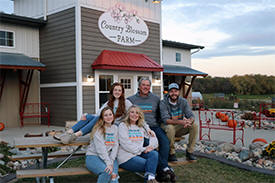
x,y
173,86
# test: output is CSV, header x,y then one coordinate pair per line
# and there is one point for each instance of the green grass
x,y
204,170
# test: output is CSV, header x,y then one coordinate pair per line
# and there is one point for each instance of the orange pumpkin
x,y
232,123
224,118
218,114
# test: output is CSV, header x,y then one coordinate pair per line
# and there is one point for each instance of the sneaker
x,y
66,138
190,156
163,176
172,175
172,157
152,181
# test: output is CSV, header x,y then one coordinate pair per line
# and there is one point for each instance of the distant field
x,y
259,97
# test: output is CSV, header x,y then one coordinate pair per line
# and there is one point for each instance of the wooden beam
x,y
2,81
189,88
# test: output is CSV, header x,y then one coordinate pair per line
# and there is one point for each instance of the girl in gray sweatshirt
x,y
102,151
132,155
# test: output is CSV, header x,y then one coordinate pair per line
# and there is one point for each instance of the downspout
x,y
45,9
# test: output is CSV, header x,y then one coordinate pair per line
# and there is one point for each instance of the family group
x,y
136,134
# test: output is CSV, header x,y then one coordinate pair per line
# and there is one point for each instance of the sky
x,y
238,35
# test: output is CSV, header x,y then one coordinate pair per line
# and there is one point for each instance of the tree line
x,y
241,85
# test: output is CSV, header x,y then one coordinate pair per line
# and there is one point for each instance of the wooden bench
x,y
209,121
73,171
35,110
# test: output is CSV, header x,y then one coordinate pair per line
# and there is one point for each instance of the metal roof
x,y
175,44
20,20
116,60
19,61
182,70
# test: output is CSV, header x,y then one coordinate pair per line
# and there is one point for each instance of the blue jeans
x,y
146,162
87,125
96,165
164,147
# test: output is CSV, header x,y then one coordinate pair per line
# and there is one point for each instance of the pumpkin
x,y
218,114
224,118
232,123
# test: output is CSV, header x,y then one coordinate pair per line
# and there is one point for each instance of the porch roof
x,y
19,61
116,60
182,71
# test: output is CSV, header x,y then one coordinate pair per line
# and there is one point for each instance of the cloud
x,y
225,28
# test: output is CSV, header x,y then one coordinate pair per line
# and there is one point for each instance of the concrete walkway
x,y
8,134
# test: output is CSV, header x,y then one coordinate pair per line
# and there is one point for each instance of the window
x,y
6,38
126,83
105,82
178,57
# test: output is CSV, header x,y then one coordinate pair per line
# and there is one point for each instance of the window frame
x,y
178,57
6,31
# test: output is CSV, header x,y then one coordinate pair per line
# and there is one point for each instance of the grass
x,y
204,170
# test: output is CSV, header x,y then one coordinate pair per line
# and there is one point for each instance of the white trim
x,y
88,84
40,15
7,30
161,54
79,97
104,10
55,85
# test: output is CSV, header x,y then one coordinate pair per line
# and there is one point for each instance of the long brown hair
x,y
121,101
100,123
140,121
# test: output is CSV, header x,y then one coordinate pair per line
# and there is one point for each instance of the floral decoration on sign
x,y
118,13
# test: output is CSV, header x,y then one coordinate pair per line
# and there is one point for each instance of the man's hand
x,y
109,169
187,122
148,149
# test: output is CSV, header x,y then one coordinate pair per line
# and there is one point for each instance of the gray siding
x,y
156,90
93,41
57,47
62,102
89,99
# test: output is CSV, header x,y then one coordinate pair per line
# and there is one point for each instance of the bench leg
x,y
65,160
37,179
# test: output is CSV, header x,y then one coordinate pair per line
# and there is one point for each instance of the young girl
x,y
132,155
102,151
116,102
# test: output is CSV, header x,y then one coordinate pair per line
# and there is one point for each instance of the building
x,y
19,66
89,44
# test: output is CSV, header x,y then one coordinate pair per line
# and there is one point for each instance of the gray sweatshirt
x,y
105,147
128,104
150,107
131,140
180,110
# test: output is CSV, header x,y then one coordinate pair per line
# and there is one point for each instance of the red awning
x,y
116,60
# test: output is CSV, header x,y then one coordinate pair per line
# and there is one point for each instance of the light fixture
x,y
90,79
156,80
157,1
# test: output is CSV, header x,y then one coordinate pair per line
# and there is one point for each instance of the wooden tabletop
x,y
27,142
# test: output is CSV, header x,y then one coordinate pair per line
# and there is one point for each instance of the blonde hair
x,y
100,123
140,120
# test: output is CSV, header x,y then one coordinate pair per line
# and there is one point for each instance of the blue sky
x,y
238,35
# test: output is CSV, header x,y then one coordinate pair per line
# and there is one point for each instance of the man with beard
x,y
178,120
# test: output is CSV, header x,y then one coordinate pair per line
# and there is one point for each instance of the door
x,y
127,82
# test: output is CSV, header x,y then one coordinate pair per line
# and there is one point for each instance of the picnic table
x,y
45,143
